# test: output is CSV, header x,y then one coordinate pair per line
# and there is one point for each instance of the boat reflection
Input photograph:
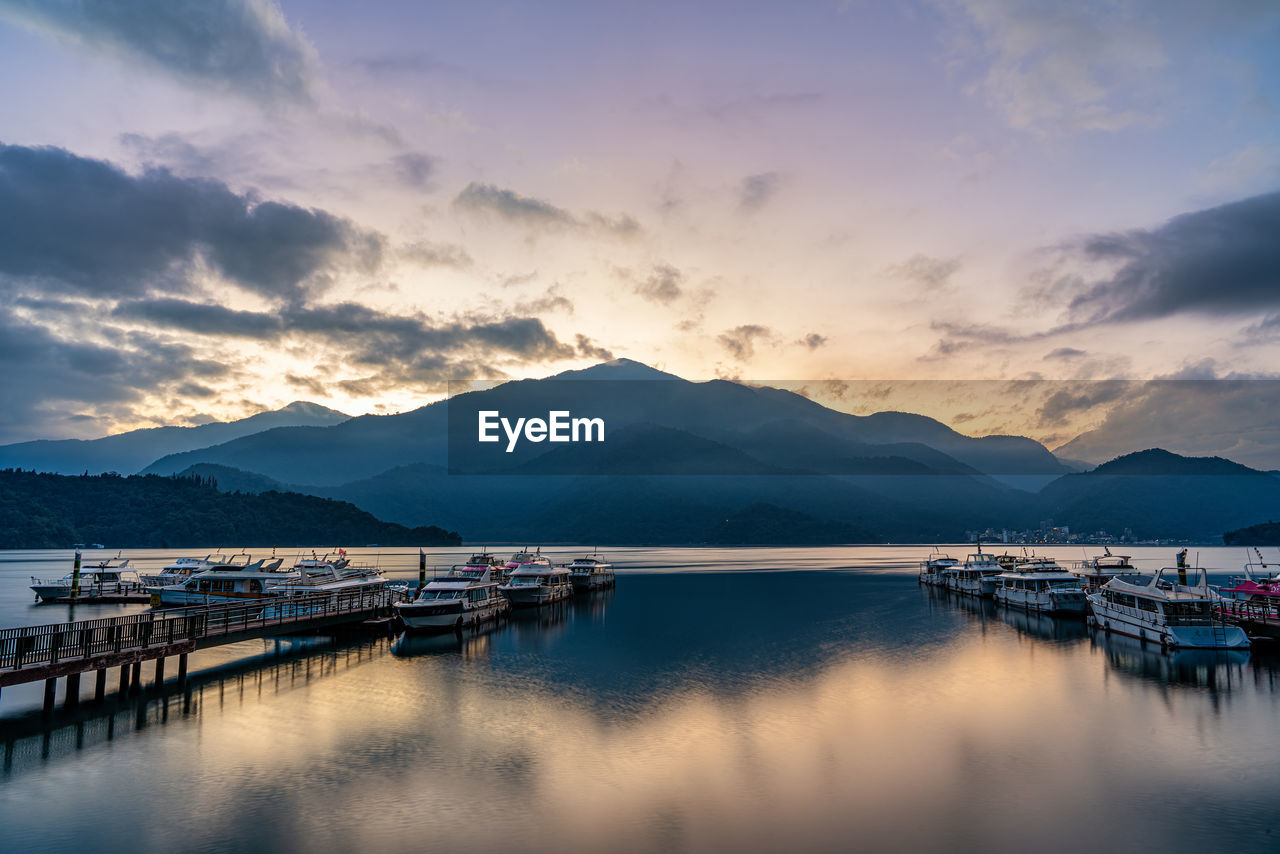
x,y
1034,624
1213,670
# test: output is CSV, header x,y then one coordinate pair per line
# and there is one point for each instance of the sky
x,y
213,207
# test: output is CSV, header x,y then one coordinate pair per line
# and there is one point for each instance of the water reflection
x,y
694,712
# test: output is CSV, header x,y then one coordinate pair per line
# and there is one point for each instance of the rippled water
x,y
708,704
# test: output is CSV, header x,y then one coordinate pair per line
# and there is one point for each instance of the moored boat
x,y
591,572
455,602
178,571
107,577
936,569
526,558
1040,584
977,577
537,584
1168,610
1096,571
217,586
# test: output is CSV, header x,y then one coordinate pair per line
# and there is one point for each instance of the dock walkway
x,y
32,653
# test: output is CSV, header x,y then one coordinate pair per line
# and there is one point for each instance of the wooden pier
x,y
50,652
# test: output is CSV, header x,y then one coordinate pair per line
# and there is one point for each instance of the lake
x,y
720,699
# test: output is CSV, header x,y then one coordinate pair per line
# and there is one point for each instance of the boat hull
x,y
1221,636
534,597
1042,602
446,617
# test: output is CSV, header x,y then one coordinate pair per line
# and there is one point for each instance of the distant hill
x,y
720,411
1159,494
129,453
54,511
1265,534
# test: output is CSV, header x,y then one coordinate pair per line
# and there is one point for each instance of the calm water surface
x,y
710,703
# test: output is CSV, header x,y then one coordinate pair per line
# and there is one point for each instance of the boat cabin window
x,y
1146,605
441,594
255,586
1186,609
525,580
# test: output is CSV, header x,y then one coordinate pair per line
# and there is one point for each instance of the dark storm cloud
x,y
241,46
538,214
1220,261
1064,354
76,225
741,340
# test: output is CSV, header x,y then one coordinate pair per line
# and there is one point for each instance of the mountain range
x,y
129,453
710,462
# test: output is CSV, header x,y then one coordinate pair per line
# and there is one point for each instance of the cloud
x,y
1220,261
931,274
757,191
45,377
551,300
813,341
405,63
741,340
536,214
1070,398
425,253
245,47
1064,354
413,170
1197,410
1081,67
662,285
69,224
396,349
587,347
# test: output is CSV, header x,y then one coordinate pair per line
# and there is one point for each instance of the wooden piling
x,y
50,690
71,698
182,669
160,672
135,677
124,679
100,685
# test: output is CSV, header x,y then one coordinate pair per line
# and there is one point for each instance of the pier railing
x,y
49,644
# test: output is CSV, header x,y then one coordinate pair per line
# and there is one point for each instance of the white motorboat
x,y
459,600
1166,609
526,558
1040,584
111,576
591,572
178,571
310,576
216,586
937,568
1096,571
537,584
977,577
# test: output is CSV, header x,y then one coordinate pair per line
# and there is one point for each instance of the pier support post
x,y
135,676
422,569
124,679
182,669
100,685
71,698
50,689
160,672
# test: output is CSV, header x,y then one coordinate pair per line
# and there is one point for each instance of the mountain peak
x,y
1160,461
617,369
